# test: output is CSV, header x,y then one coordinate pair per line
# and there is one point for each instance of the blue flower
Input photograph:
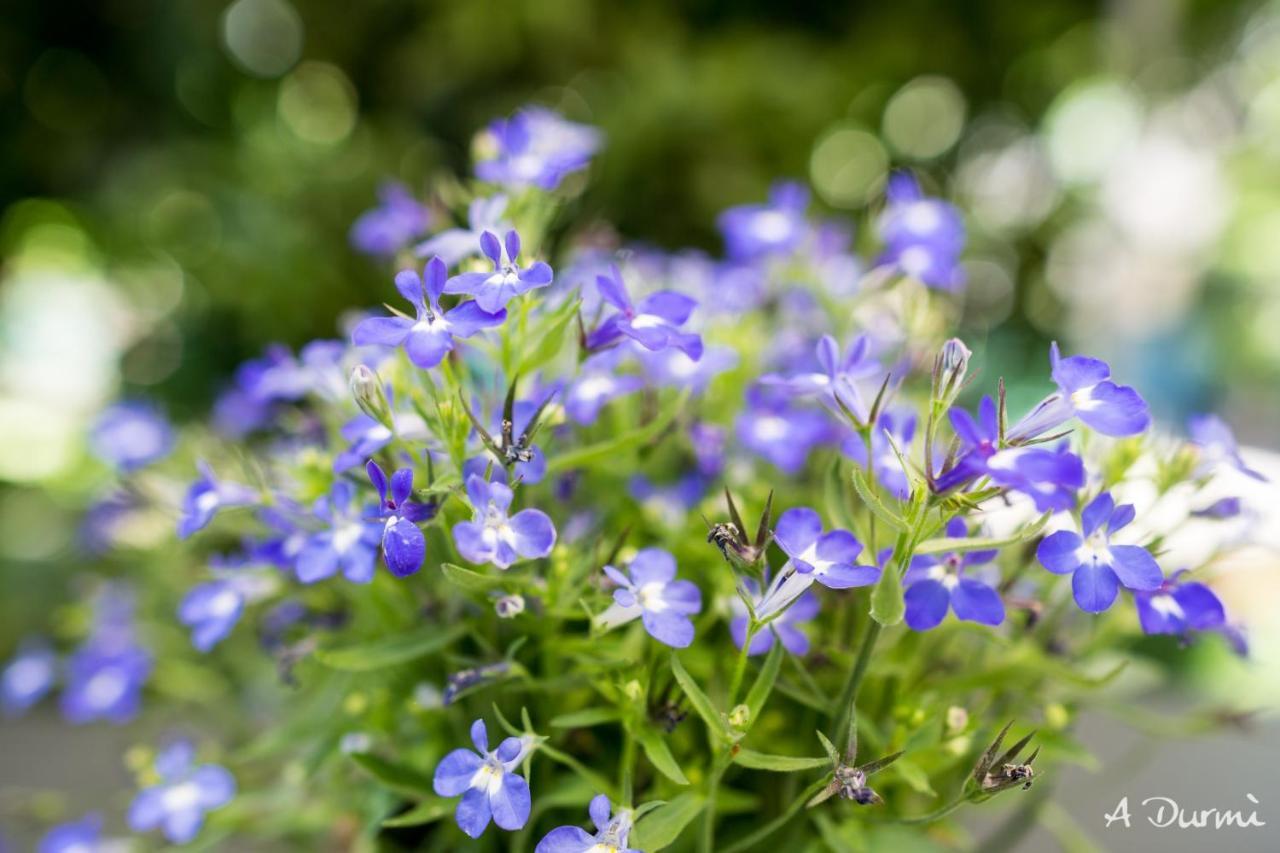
x,y
78,836
836,382
597,383
785,626
891,429
403,545
1097,567
27,677
458,244
398,219
104,681
1179,607
205,497
649,591
779,432
430,337
923,237
673,368
1217,445
493,290
535,147
826,557
612,832
934,583
1085,391
349,543
492,536
177,805
487,781
752,231
654,323
131,435
211,610
366,436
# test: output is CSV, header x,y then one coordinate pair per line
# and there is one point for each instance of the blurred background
x,y
177,180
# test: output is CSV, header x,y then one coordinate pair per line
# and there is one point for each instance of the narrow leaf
x,y
427,811
661,827
914,776
873,502
700,701
777,763
659,754
585,718
609,449
948,545
399,777
763,686
390,651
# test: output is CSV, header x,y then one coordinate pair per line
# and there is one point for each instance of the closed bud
x,y
509,606
949,371
634,690
739,717
957,719
366,388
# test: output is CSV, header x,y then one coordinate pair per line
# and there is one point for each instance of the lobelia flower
x,y
836,381
487,780
178,803
891,429
752,231
103,678
430,337
130,435
1097,567
493,290
350,543
26,679
654,323
457,244
206,497
211,610
1050,478
1085,391
1221,509
934,583
77,836
597,384
782,434
403,545
827,558
649,591
1179,607
535,147
398,219
366,436
673,368
494,537
612,832
1217,445
923,237
784,626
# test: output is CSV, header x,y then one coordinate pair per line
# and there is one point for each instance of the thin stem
x,y
849,694
938,814
740,669
628,768
707,841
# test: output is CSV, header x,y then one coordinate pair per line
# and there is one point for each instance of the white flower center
x,y
105,688
181,797
650,597
921,219
593,387
810,556
771,226
1083,400
771,428
915,259
489,777
1167,605
26,675
647,321
346,536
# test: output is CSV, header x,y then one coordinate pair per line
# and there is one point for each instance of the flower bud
x,y
366,388
634,690
509,606
739,717
949,371
957,719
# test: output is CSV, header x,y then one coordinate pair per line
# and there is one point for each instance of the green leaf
x,y
836,499
886,599
549,337
584,456
398,777
663,825
873,502
390,651
655,747
947,545
473,581
585,718
778,763
914,776
427,811
700,701
763,686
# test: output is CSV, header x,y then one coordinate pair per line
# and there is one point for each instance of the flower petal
x,y
926,605
1115,410
565,839
668,627
381,331
1135,567
974,601
510,802
404,547
534,533
1057,551
473,812
454,772
844,576
652,565
797,529
1095,587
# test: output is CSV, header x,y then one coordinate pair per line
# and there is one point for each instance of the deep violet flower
x,y
493,290
403,545
1085,391
934,583
612,832
535,147
398,219
654,323
430,337
487,781
185,793
649,591
493,536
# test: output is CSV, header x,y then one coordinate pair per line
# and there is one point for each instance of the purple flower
x,y
177,805
1179,607
650,592
653,323
366,437
211,610
1220,509
1085,391
393,224
79,836
891,429
1217,445
403,545
597,384
205,497
429,338
487,781
923,237
1096,566
934,583
131,435
672,367
104,682
536,147
27,678
752,231
612,832
349,543
457,244
494,537
836,380
770,427
493,290
784,626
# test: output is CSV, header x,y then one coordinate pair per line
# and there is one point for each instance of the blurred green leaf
x,y
391,651
661,827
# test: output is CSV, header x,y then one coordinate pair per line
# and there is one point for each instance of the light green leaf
x,y
778,763
398,777
561,462
836,499
914,776
886,599
549,337
661,827
427,811
763,686
873,502
585,718
655,747
390,651
700,701
473,581
948,545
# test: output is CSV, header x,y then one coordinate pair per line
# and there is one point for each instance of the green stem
x,y
740,669
938,814
628,768
749,842
707,841
844,705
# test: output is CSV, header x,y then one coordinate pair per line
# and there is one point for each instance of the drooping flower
x,y
784,435
1097,567
77,836
814,555
397,221
211,610
131,435
923,237
492,536
1217,444
785,627
837,380
349,543
654,323
430,337
612,832
403,545
457,244
934,583
753,231
1085,391
493,290
487,781
1179,607
177,805
26,679
650,592
206,497
535,147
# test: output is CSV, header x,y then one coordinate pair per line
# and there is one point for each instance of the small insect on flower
x,y
650,592
493,290
493,536
848,779
403,545
178,804
994,774
612,832
487,781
